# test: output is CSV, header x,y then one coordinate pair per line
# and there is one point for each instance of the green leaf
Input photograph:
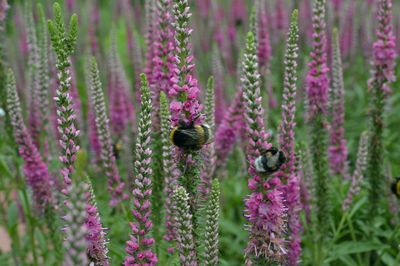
x,y
388,259
357,206
352,247
12,215
347,260
4,170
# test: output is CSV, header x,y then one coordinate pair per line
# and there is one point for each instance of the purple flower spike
x,y
281,16
208,167
265,210
151,33
263,40
35,122
292,195
116,185
317,78
358,174
140,243
63,45
163,57
186,107
184,228
76,230
287,141
317,87
92,131
384,56
3,10
347,36
121,107
229,130
337,149
35,169
96,235
169,167
286,137
218,73
384,53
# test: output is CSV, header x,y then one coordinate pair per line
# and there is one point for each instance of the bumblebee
x,y
270,161
117,147
396,187
191,137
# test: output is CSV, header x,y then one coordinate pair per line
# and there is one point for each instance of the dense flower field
x,y
199,132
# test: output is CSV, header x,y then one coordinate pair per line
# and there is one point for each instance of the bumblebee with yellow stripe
x,y
396,187
117,148
191,137
270,161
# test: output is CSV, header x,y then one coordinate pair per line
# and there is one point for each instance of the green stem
x,y
354,238
31,223
341,224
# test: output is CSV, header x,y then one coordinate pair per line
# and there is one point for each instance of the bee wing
x,y
186,137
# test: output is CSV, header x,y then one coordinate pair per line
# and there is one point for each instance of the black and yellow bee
x,y
117,147
270,161
396,187
191,137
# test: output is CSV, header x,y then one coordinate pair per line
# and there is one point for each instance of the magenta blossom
x,y
35,169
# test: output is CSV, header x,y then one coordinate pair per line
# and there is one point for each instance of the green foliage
x,y
351,236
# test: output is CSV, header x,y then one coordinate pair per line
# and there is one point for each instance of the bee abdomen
x,y
182,139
